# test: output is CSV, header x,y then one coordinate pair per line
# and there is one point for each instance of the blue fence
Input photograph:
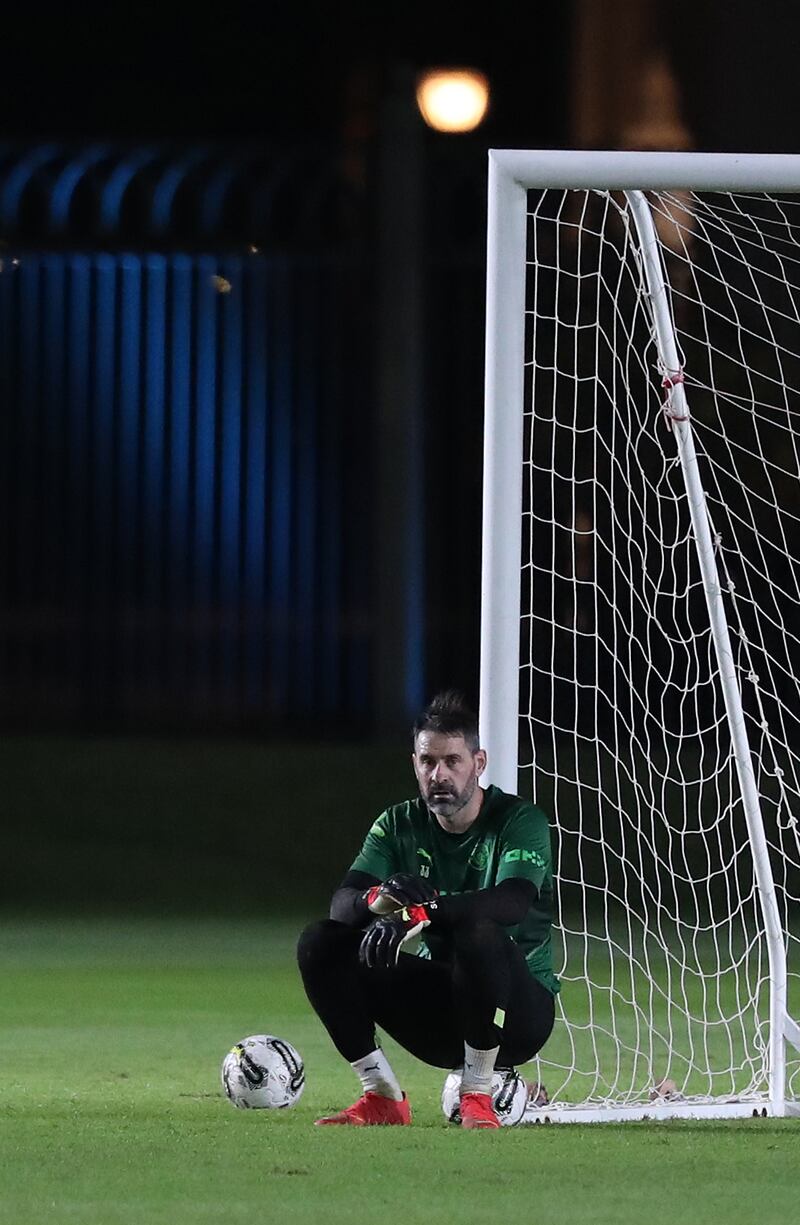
x,y
195,346
178,479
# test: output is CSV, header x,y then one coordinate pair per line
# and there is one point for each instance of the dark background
x,y
246,71
241,71
168,699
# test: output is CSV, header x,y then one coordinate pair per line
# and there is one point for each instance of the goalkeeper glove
x,y
402,889
381,943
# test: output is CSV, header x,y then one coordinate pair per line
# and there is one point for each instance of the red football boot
x,y
371,1110
477,1110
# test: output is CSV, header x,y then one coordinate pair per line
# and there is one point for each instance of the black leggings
x,y
482,994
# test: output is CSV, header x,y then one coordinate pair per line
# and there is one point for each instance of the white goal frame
x,y
512,174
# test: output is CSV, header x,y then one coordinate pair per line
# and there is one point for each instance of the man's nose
x,y
439,772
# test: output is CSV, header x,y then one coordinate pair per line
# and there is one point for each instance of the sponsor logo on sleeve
x,y
522,855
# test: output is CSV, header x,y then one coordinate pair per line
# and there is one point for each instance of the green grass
x,y
111,1111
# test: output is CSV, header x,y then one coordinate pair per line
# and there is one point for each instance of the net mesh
x,y
625,742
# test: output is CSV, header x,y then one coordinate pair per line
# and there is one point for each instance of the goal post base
x,y
656,1112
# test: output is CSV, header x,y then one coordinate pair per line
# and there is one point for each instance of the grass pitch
x,y
112,1033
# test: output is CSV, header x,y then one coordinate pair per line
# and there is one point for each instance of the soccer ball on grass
x,y
509,1096
263,1072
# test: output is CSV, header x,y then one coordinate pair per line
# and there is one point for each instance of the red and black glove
x,y
381,943
402,889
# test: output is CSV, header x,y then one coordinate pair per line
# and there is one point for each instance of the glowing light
x,y
452,100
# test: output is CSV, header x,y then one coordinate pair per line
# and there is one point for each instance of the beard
x,y
445,800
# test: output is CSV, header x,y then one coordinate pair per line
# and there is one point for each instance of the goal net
x,y
640,670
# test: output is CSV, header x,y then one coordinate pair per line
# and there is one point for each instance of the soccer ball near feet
x,y
509,1096
263,1072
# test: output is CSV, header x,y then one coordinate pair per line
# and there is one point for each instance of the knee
x,y
479,935
317,943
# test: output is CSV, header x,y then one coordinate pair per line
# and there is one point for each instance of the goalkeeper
x,y
440,933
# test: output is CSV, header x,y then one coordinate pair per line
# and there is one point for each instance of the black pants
x,y
483,993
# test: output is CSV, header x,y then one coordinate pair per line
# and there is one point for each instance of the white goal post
x,y
640,616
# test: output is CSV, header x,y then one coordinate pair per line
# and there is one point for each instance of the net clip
x,y
672,379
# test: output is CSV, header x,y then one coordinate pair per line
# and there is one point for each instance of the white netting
x,y
661,939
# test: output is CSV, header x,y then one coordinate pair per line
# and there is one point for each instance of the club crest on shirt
x,y
479,857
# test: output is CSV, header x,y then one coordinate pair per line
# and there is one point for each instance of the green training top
x,y
510,837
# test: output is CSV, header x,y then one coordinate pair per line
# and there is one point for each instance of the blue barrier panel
x,y
280,495
255,409
205,474
154,445
77,463
177,533
179,489
103,698
230,465
306,525
129,543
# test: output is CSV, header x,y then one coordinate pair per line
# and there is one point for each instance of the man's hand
x,y
381,943
402,889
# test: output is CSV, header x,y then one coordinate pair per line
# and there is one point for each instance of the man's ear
x,y
480,761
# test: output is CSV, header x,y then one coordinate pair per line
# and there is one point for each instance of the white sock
x,y
478,1069
376,1075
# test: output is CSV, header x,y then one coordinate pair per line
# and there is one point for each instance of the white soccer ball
x,y
509,1096
263,1072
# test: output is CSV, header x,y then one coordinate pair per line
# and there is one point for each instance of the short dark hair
x,y
449,714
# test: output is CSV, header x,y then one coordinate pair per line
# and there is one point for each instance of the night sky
x,y
246,71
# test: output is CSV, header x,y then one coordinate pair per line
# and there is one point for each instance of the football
x,y
509,1096
263,1072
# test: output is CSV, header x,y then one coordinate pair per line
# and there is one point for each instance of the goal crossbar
x,y
619,170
